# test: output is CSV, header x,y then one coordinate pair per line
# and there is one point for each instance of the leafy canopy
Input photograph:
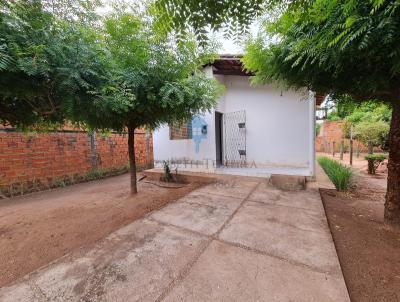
x,y
332,46
46,60
62,62
367,121
152,79
376,132
200,16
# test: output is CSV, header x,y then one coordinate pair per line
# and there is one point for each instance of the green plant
x,y
167,172
317,129
339,174
375,132
332,116
113,73
374,161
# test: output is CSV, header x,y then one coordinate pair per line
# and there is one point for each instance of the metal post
x,y
351,152
341,149
351,145
149,155
333,148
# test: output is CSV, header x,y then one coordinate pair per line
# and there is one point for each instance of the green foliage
x,y
344,104
59,62
345,48
369,111
103,173
45,60
376,132
234,16
338,47
152,80
317,129
376,157
333,116
339,174
104,74
369,120
374,161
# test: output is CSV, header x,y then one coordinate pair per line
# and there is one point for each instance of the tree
x,y
152,80
112,74
44,62
343,48
370,121
199,16
374,132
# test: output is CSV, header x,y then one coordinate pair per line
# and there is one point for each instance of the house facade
x,y
253,130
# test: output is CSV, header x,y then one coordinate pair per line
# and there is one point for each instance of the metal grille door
x,y
234,137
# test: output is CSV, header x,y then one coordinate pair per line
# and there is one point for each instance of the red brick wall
x,y
38,160
331,131
112,150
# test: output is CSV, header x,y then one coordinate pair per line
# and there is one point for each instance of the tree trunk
x,y
132,160
370,147
341,149
392,204
371,167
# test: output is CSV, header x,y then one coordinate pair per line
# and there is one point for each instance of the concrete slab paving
x,y
136,263
235,240
292,217
200,212
227,273
232,187
268,229
219,201
307,199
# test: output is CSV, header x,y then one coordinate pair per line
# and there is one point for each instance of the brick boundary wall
x,y
331,131
39,161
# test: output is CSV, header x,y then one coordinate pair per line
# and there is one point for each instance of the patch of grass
x,y
339,174
103,173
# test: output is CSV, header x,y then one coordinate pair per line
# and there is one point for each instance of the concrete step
x,y
288,182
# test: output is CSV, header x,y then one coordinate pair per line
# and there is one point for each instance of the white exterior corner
x,y
312,105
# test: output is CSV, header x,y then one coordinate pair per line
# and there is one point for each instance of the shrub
x,y
317,129
376,132
167,172
374,161
339,174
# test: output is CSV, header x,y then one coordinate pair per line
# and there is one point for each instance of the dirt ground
x,y
368,249
39,228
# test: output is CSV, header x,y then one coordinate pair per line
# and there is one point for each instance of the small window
x,y
180,131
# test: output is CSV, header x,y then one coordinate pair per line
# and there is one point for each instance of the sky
x,y
228,45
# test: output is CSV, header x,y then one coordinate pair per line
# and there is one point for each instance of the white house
x,y
254,130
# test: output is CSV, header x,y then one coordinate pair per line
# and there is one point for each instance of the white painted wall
x,y
166,149
279,127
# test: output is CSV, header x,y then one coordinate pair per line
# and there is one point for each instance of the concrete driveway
x,y
236,240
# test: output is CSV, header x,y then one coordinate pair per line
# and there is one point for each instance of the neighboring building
x,y
254,130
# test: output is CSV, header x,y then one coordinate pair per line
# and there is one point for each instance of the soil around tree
x,y
39,228
368,249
